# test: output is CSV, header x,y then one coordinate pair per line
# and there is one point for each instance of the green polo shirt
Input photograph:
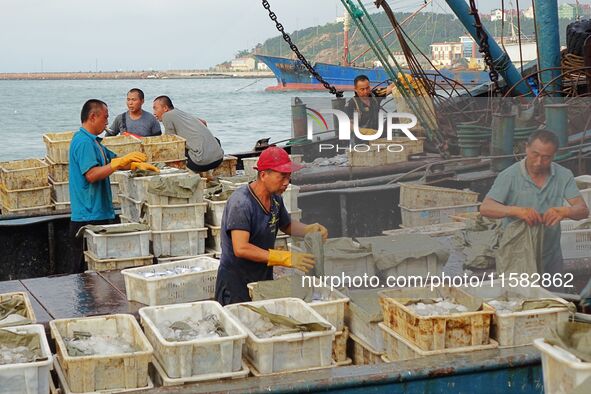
x,y
515,187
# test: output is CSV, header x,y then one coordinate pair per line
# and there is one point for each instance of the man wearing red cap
x,y
253,215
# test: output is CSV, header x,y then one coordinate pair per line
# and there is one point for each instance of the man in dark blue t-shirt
x,y
253,215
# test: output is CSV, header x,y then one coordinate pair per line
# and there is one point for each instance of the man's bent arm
x,y
245,250
578,209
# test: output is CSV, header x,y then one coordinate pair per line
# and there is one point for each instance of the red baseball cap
x,y
276,159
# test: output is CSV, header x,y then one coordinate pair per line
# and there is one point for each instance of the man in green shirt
x,y
534,190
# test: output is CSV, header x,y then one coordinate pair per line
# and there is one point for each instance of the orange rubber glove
x,y
119,163
301,261
144,166
316,227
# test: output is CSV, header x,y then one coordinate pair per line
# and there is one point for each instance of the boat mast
x,y
346,25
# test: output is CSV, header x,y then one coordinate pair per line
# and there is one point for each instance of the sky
x,y
108,35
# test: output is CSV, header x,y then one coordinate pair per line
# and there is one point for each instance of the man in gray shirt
x,y
135,121
204,151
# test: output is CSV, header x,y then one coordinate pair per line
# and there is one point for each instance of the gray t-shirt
x,y
146,126
203,148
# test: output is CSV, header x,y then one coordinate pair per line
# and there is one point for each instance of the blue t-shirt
x,y
89,201
245,212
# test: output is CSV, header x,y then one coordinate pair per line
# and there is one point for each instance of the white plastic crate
x,y
58,146
58,172
362,353
173,289
179,242
96,264
575,244
282,242
584,185
25,198
521,328
28,211
426,216
130,208
23,174
60,206
120,245
219,356
214,213
179,258
362,324
30,314
214,239
290,198
28,378
115,192
123,144
164,147
333,310
234,182
60,191
108,372
249,163
397,348
176,217
562,372
286,352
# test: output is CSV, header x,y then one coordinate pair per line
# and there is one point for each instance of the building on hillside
x,y
446,53
243,64
262,66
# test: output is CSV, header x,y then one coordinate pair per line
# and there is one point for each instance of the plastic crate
x,y
436,332
426,216
28,378
561,373
176,217
215,211
138,189
33,211
60,191
58,146
434,230
122,144
96,264
174,289
397,348
362,353
290,198
248,164
413,195
339,346
214,239
521,328
286,352
23,174
26,198
227,168
30,314
120,245
575,244
584,185
115,192
60,206
164,148
282,242
362,324
130,208
179,258
58,172
179,242
115,371
332,310
219,356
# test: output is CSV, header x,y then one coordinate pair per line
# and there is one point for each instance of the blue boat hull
x,y
292,75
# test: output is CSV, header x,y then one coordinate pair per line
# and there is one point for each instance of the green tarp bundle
x,y
574,337
175,186
109,229
13,311
30,341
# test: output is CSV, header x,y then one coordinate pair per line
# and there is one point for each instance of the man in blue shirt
x,y
253,215
534,190
90,165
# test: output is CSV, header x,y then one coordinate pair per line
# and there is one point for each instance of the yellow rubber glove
x,y
119,163
316,227
301,261
144,166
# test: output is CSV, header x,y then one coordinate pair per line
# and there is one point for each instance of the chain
x,y
484,48
295,50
